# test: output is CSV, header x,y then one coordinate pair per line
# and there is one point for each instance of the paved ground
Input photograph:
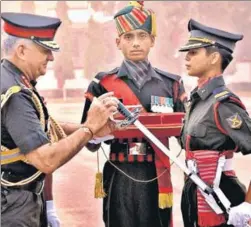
x,y
74,182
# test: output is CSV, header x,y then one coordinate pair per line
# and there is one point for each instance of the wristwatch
x,y
88,130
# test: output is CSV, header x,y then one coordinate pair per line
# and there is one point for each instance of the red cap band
x,y
27,33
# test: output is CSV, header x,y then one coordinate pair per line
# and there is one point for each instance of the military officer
x,y
28,132
130,178
216,125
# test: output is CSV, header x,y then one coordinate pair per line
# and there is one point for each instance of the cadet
x,y
130,180
28,132
216,123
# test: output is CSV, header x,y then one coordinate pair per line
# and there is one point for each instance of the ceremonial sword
x,y
213,195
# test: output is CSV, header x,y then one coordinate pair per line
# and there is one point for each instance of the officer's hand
x,y
100,111
240,215
108,128
52,218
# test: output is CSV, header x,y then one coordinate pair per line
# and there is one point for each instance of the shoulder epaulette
x,y
101,75
5,97
222,93
167,74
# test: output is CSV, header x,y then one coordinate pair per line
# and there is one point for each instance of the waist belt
x,y
35,187
122,157
194,157
209,165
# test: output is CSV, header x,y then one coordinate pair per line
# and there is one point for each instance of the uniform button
x,y
5,192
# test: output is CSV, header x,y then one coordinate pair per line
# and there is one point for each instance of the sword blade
x,y
166,151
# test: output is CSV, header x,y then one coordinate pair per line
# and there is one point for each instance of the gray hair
x,y
10,42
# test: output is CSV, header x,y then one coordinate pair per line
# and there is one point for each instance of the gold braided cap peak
x,y
51,44
204,40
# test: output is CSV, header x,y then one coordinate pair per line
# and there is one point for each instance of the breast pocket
x,y
199,131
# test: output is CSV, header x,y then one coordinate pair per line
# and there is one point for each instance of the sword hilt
x,y
130,116
124,111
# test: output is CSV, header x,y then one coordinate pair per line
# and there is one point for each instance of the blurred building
x,y
87,36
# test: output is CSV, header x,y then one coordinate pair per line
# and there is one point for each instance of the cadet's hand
x,y
53,220
100,111
240,215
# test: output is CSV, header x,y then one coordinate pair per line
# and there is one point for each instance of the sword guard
x,y
130,119
130,116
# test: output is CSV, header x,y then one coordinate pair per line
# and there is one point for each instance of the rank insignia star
x,y
235,121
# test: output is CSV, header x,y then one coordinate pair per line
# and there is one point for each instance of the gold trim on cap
x,y
191,45
203,40
51,44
